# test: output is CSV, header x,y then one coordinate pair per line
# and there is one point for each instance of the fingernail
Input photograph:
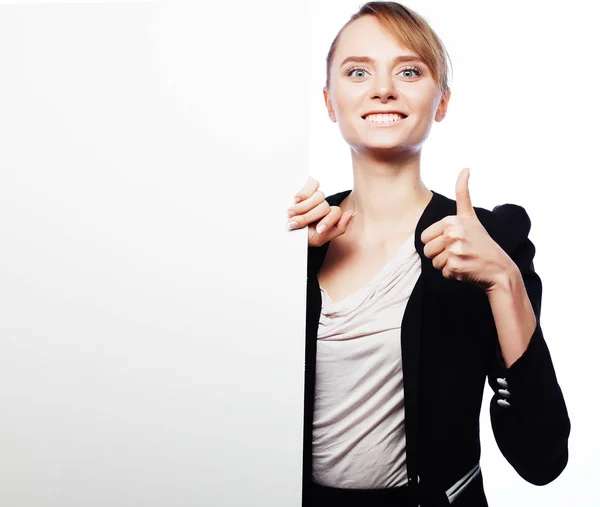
x,y
297,199
321,228
292,225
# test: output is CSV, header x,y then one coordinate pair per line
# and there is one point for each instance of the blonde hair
x,y
411,30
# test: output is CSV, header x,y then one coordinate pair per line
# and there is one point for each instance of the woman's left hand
x,y
462,248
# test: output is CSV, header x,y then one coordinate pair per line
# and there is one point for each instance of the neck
x,y
388,194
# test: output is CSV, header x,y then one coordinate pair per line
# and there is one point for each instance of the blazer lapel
x,y
437,209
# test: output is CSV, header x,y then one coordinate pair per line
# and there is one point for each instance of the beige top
x,y
358,431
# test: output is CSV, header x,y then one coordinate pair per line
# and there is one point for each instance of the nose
x,y
383,88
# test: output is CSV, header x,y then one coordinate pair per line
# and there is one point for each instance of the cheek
x,y
347,105
423,102
424,109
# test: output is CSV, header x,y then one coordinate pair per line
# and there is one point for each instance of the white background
x,y
152,301
524,117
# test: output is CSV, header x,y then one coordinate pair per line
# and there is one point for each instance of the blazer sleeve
x,y
529,417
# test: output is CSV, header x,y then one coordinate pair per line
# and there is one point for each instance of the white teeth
x,y
383,118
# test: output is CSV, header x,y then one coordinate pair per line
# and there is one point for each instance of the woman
x,y
417,301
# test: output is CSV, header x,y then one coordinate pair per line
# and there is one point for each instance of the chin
x,y
380,150
391,145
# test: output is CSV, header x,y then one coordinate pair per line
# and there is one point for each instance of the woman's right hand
x,y
311,209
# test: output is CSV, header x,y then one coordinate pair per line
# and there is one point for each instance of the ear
x,y
443,107
330,110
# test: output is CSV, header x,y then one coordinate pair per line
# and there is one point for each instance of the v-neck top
x,y
358,427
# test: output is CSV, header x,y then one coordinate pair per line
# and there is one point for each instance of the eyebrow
x,y
366,59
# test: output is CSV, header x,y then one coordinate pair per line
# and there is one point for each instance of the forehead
x,y
367,37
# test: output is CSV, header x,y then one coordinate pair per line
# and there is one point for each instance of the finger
x,y
338,228
309,188
464,207
314,214
449,270
335,223
440,261
306,205
435,247
433,231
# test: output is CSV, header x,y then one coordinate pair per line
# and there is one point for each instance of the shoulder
x,y
513,216
511,225
338,197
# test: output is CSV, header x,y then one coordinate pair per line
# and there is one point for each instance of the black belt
x,y
419,495
326,496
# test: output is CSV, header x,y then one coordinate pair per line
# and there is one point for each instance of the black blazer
x,y
449,348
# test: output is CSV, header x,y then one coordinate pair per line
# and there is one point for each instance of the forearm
x,y
513,315
532,432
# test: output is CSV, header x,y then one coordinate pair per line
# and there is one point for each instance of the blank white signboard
x,y
144,147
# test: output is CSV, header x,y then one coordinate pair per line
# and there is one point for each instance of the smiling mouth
x,y
400,116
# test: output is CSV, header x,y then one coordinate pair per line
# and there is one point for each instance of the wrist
x,y
506,280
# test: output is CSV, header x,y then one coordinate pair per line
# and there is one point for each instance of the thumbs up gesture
x,y
461,247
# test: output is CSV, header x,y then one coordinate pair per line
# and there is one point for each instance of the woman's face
x,y
385,83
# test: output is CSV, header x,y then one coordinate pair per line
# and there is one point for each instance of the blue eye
x,y
411,69
350,71
415,70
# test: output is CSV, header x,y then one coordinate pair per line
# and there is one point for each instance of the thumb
x,y
344,222
464,207
348,218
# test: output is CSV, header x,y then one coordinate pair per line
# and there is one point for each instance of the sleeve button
x,y
502,382
504,393
503,403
